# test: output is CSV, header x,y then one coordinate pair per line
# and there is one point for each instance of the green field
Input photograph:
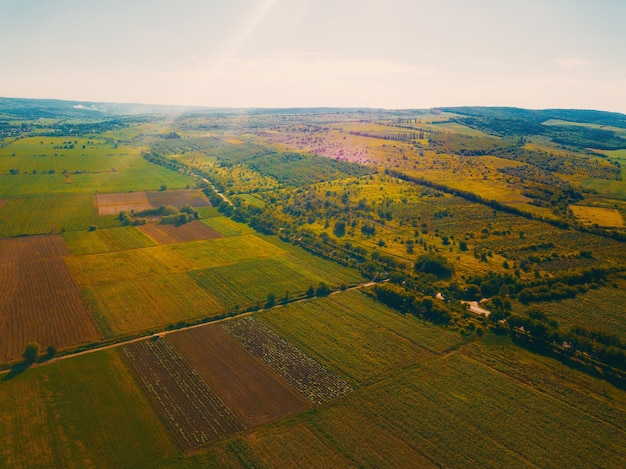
x,y
134,174
227,226
602,309
317,266
46,213
345,343
249,282
106,240
148,303
252,200
53,153
436,339
612,189
83,412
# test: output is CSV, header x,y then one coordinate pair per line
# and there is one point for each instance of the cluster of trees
x,y
405,301
582,343
169,215
32,352
435,265
555,287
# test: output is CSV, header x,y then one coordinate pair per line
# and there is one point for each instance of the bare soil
x,y
193,412
113,204
170,234
254,392
39,300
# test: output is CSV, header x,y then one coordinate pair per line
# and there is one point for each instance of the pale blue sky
x,y
283,53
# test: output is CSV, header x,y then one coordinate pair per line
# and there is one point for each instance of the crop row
x,y
297,368
39,299
192,411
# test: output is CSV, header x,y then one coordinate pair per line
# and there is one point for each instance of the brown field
x,y
113,204
2,202
170,234
193,197
297,368
194,414
249,387
39,300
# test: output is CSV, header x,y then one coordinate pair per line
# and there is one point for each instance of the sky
x,y
395,54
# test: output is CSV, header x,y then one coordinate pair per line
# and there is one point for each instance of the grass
x,y
50,213
320,268
607,217
136,175
342,342
602,309
106,240
434,338
79,413
252,200
153,302
247,282
227,226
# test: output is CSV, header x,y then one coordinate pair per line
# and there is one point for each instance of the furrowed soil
x,y
248,387
113,204
194,414
39,300
170,234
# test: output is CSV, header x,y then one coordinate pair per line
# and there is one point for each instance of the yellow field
x,y
607,217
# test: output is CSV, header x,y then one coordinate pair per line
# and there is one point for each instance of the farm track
x,y
165,332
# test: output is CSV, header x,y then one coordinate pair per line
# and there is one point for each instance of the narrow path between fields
x,y
215,190
165,332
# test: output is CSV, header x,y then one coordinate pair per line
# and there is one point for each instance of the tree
x,y
51,351
31,352
322,290
271,300
433,264
339,229
310,292
427,304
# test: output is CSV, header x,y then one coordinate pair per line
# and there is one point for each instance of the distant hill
x,y
614,119
55,108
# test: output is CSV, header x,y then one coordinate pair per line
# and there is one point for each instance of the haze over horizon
x,y
303,53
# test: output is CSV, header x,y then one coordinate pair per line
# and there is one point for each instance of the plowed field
x,y
193,412
113,204
170,234
39,300
250,388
